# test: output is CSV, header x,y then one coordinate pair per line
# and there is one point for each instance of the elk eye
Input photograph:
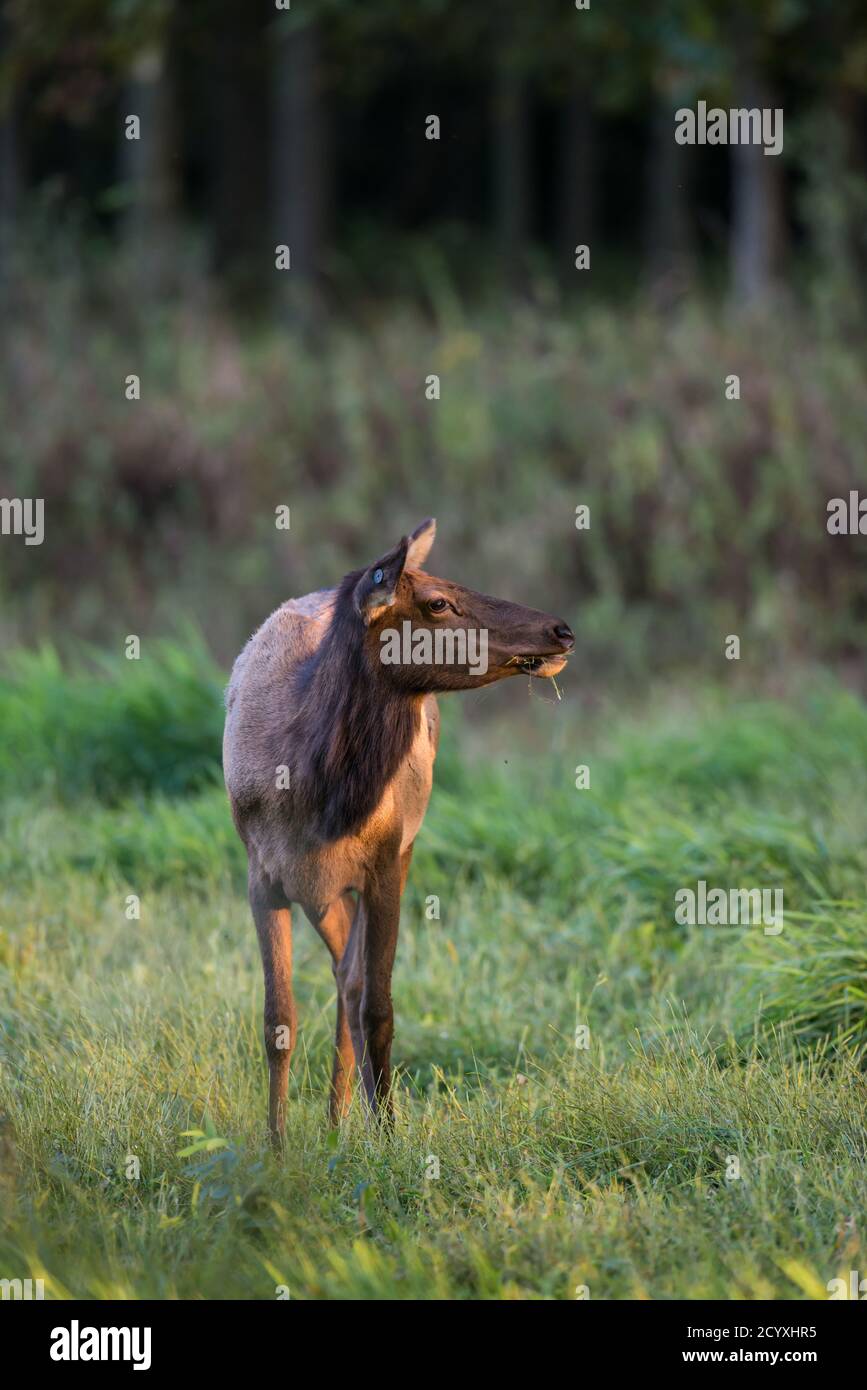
x,y
377,576
437,605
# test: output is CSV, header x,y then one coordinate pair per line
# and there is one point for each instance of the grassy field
x,y
134,1161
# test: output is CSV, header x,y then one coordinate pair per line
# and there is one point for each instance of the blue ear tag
x,y
377,576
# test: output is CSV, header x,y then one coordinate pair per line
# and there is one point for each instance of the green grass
x,y
111,725
558,1166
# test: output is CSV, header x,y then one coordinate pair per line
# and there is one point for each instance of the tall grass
x,y
111,726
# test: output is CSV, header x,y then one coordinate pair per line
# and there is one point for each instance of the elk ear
x,y
420,543
377,587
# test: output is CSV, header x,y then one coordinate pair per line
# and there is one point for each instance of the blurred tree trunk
x,y
576,182
757,221
511,166
300,192
9,177
10,170
242,253
667,234
851,110
148,170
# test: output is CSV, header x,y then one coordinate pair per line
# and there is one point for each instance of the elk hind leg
x,y
273,917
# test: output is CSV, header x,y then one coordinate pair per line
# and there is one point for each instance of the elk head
x,y
431,634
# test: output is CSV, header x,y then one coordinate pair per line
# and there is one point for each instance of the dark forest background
x,y
307,125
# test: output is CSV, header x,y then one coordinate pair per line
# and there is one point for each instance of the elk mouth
x,y
540,666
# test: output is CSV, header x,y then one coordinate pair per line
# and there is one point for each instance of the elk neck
x,y
352,728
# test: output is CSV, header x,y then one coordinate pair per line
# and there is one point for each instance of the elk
x,y
328,758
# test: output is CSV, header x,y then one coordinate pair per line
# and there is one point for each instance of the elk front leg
x,y
273,917
335,928
381,919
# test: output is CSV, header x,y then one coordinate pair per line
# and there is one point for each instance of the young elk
x,y
331,733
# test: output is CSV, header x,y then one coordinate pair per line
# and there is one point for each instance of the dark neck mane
x,y
352,729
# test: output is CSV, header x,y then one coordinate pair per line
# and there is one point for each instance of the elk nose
x,y
564,634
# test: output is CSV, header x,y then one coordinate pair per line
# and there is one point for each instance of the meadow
x,y
593,1098
132,1089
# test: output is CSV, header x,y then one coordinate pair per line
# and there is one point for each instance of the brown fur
x,y
309,693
